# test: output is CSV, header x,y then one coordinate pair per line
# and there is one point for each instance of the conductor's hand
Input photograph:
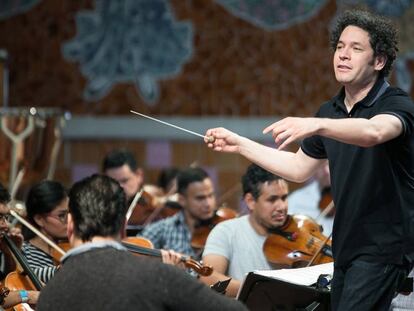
x,y
221,139
171,257
289,130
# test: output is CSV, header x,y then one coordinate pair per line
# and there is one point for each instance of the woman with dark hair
x,y
47,210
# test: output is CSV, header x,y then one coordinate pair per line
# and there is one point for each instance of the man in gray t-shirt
x,y
235,247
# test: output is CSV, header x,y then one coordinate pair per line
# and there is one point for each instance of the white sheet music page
x,y
301,276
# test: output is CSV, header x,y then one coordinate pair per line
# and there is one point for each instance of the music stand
x,y
263,293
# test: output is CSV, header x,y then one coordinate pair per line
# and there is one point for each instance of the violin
x,y
202,230
297,243
142,246
146,208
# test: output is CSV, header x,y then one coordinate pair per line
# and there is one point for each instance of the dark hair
x,y
254,178
382,34
4,195
98,207
166,177
43,198
118,158
189,176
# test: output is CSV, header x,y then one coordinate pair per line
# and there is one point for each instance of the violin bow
x,y
326,211
134,203
310,263
37,232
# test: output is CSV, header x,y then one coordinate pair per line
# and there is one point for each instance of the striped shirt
x,y
41,263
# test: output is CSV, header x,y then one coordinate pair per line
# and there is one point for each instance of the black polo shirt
x,y
373,188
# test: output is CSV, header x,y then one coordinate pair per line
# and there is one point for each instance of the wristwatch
x,y
24,296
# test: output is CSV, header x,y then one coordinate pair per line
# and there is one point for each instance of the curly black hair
x,y
254,178
382,34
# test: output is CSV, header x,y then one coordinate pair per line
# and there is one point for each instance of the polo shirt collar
x,y
368,100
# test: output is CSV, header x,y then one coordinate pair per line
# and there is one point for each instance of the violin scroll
x,y
142,246
197,266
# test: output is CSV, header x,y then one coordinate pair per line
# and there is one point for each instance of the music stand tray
x,y
263,293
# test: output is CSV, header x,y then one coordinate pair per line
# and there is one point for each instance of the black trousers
x,y
366,286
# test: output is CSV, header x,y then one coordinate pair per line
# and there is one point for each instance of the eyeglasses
x,y
6,217
62,216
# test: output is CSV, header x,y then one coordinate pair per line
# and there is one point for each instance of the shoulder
x,y
231,226
30,250
162,224
396,96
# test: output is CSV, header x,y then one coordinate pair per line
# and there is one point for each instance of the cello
x,y
298,243
23,279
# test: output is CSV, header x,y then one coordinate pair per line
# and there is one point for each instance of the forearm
x,y
286,164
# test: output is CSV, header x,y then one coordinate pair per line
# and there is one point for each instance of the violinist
x,y
9,298
98,273
235,247
121,165
313,198
47,209
197,197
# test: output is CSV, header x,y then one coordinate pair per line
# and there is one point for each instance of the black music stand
x,y
263,293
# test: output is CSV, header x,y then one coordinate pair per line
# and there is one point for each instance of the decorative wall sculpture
x,y
129,41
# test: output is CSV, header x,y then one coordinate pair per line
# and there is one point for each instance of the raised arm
x,y
296,167
356,131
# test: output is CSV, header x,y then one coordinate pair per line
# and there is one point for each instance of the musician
x,y
99,274
47,210
121,165
196,195
12,298
235,247
366,133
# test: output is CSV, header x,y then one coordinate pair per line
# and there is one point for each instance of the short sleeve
x,y
402,107
313,146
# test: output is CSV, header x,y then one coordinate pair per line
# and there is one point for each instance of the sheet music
x,y
300,276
